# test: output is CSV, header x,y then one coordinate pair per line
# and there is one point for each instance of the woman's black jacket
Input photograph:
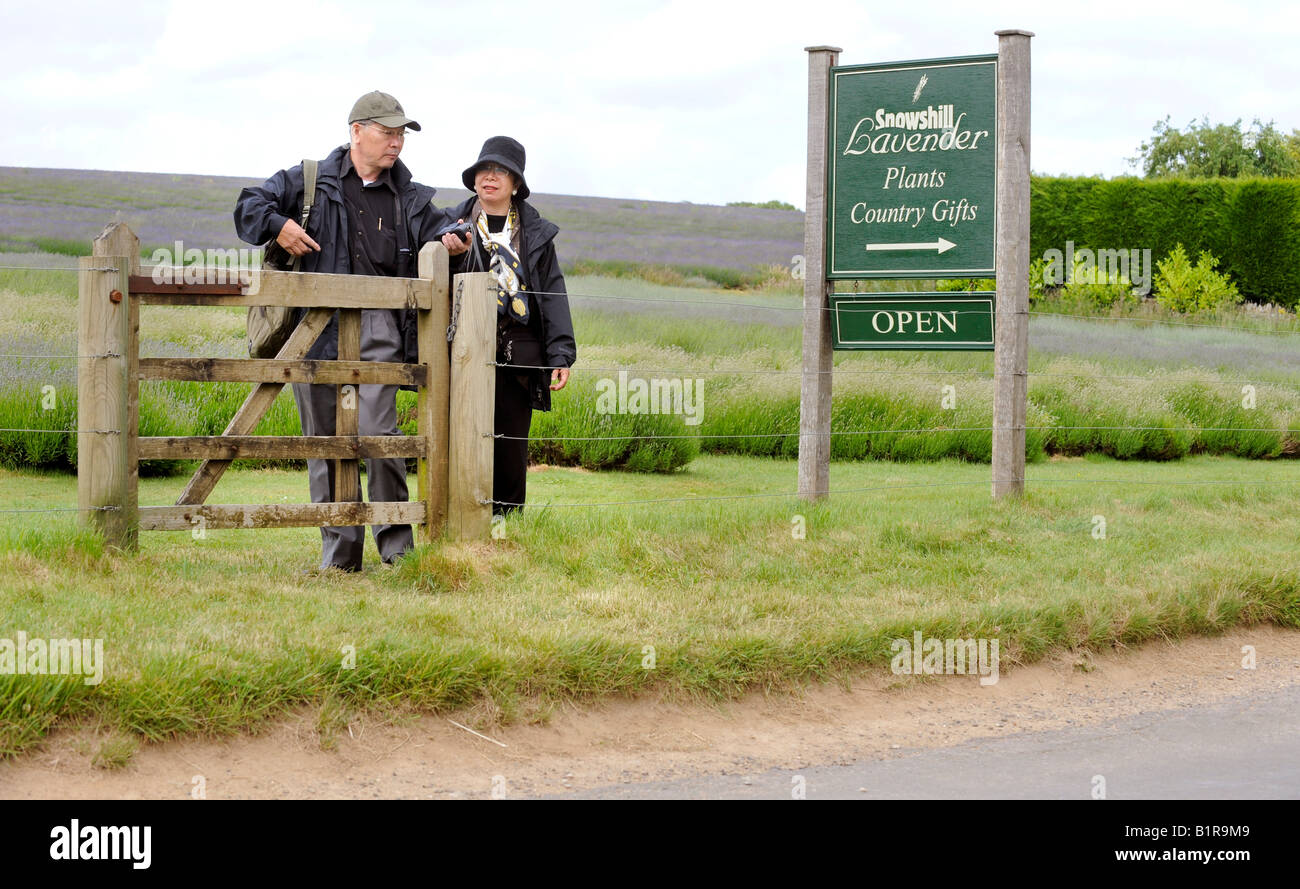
x,y
550,319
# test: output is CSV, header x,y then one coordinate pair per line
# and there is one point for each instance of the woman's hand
x,y
559,377
455,246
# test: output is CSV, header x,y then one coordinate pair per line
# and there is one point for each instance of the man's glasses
x,y
399,135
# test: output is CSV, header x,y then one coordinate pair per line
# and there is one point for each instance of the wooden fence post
x,y
473,403
347,408
108,411
431,414
1011,341
815,389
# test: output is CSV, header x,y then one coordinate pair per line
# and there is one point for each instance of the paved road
x,y
1247,748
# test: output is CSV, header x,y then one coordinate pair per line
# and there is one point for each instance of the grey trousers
x,y
342,547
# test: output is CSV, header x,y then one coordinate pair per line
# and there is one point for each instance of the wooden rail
x,y
273,370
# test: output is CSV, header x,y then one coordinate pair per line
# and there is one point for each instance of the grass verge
x,y
216,635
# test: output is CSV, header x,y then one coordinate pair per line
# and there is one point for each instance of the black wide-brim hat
x,y
504,151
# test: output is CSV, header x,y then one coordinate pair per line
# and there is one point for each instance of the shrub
x,y
168,408
947,285
595,440
1094,414
1253,225
1183,287
898,418
1226,426
1037,286
1093,285
764,205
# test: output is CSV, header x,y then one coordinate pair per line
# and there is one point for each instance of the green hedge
x,y
1251,225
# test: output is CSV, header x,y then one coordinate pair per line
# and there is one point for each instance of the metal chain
x,y
455,310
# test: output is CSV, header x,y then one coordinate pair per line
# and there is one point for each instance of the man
x,y
369,218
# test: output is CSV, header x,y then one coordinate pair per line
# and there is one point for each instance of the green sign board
x,y
912,172
929,321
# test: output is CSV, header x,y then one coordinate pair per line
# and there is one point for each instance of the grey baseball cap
x,y
382,109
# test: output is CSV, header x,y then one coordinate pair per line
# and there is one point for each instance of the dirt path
x,y
648,739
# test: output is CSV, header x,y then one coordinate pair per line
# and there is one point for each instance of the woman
x,y
511,241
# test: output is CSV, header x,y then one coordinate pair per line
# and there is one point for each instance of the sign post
x,y
1011,353
815,388
918,170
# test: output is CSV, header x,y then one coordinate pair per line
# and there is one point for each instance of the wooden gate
x,y
110,370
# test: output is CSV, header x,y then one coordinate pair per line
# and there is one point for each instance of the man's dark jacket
x,y
551,322
261,212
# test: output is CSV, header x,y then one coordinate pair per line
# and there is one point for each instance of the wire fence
x,y
68,431
1174,376
47,357
57,268
938,430
65,509
842,371
794,433
800,308
876,488
738,371
955,294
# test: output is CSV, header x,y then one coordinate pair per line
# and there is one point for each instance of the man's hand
x,y
455,246
559,378
293,239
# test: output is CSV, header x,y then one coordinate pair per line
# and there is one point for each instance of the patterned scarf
x,y
503,263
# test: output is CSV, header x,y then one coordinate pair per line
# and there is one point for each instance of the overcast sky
x,y
701,101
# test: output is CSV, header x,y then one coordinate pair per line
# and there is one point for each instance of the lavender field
x,y
47,209
1156,388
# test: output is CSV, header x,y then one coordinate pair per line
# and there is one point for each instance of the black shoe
x,y
327,570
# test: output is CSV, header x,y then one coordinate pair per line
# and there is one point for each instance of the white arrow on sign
x,y
942,245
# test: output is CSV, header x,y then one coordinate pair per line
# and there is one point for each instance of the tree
x,y
1293,145
765,205
1222,150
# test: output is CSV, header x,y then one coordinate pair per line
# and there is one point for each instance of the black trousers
x,y
341,547
514,414
516,344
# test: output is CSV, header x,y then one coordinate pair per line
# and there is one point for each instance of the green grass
x,y
33,244
217,635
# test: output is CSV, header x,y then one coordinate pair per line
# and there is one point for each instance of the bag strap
x,y
309,169
404,255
